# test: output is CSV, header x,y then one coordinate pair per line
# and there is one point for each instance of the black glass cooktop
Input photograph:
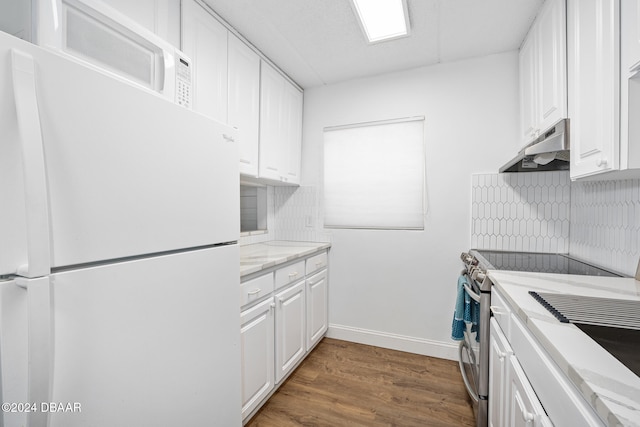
x,y
540,263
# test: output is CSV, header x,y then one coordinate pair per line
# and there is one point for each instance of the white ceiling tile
x,y
319,42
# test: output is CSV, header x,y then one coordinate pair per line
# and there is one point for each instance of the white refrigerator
x,y
119,222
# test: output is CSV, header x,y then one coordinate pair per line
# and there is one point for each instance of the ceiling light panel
x,y
382,19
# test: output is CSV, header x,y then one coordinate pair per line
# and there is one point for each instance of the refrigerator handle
x,y
33,166
40,346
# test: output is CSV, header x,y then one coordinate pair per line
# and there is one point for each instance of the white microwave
x,y
104,38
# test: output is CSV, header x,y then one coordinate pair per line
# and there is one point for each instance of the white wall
x,y
397,288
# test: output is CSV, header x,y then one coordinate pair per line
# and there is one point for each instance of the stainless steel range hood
x,y
550,152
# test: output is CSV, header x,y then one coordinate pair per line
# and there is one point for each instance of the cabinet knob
x,y
601,162
228,138
528,417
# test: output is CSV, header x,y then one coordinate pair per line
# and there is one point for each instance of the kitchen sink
x,y
622,343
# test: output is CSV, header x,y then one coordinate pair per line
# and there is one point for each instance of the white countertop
x,y
611,388
260,256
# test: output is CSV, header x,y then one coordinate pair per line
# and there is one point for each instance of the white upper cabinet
x,y
630,84
543,81
528,85
293,131
280,127
155,15
244,102
204,40
593,28
232,84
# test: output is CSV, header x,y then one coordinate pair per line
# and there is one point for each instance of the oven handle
x,y
474,296
472,393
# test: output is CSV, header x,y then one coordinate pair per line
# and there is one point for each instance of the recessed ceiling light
x,y
382,19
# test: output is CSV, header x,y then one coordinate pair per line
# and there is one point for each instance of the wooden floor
x,y
347,384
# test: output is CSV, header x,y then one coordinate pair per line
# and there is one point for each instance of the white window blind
x,y
374,175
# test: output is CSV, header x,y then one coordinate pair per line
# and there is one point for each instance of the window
x,y
374,175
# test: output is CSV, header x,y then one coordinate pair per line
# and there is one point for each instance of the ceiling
x,y
318,42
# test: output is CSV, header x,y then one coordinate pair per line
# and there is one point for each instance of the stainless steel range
x,y
474,353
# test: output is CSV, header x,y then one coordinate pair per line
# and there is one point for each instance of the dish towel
x,y
467,311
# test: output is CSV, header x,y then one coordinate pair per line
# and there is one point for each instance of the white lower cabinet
x,y
257,333
290,328
499,353
284,315
524,408
526,388
317,315
512,400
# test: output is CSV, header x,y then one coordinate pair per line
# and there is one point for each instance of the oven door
x,y
469,358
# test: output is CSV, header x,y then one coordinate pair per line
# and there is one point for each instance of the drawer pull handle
x,y
319,264
495,310
253,292
292,275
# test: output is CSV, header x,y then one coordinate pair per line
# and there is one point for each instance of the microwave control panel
x,y
183,82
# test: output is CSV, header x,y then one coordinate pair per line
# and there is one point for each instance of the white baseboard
x,y
442,350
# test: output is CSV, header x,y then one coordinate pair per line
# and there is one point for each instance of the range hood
x,y
550,152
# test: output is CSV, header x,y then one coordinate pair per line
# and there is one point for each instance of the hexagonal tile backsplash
x,y
598,221
605,223
521,211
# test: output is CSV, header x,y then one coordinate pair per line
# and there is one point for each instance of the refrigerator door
x,y
126,172
151,342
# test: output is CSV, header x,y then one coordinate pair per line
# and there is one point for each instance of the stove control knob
x,y
468,259
478,275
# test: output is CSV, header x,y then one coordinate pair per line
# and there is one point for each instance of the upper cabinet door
x,y
528,87
244,102
272,148
293,131
155,15
629,84
552,60
204,40
594,85
280,127
543,80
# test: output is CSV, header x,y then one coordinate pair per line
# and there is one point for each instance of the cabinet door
x,y
244,102
204,40
290,328
317,308
630,84
152,14
524,409
499,353
292,131
630,33
594,81
272,148
257,335
528,85
551,54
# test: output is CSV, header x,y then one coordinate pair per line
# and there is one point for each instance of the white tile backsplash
x,y
605,223
521,211
598,221
298,215
293,213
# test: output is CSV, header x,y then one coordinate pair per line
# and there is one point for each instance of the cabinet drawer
x,y
289,274
562,402
255,289
316,263
501,312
